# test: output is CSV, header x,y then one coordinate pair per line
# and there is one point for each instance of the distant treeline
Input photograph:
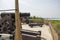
x,y
34,17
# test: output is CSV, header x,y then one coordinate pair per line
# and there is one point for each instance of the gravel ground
x,y
45,31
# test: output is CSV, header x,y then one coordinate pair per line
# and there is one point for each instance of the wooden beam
x,y
7,10
18,35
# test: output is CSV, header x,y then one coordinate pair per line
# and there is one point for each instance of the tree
x,y
34,17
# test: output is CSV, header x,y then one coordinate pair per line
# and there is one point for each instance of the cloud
x,y
7,4
43,8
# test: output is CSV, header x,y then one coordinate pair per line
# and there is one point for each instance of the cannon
x,y
8,21
26,35
35,24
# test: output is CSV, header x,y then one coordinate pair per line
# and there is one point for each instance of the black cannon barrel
x,y
33,24
12,14
29,32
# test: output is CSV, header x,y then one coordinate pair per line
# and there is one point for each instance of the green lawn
x,y
57,23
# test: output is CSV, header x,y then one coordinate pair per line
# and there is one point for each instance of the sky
x,y
39,8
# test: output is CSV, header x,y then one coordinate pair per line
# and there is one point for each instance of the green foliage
x,y
57,23
58,27
34,17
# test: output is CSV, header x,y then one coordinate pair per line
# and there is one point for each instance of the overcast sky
x,y
40,8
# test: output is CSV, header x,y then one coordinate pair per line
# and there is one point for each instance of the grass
x,y
57,23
